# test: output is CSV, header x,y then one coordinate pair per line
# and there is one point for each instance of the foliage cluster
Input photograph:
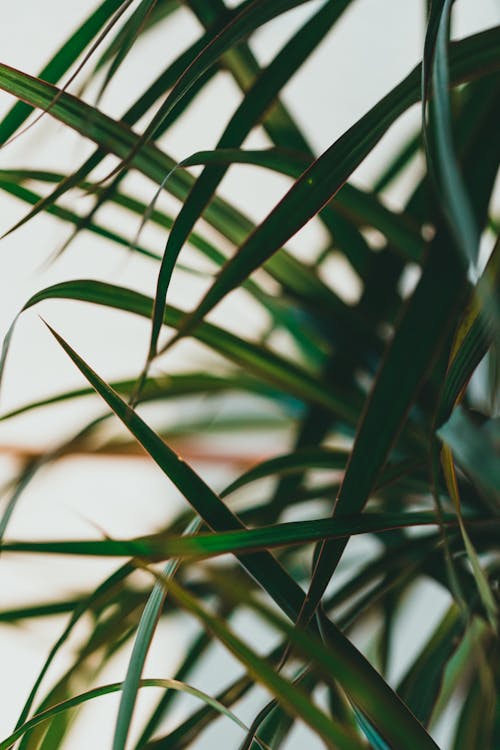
x,y
389,401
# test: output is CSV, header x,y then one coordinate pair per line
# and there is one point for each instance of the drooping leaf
x,y
255,358
100,593
78,700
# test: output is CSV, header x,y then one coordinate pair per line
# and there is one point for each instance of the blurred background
x,y
84,496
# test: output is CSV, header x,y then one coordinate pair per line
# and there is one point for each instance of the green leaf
x,y
161,388
324,178
161,547
89,695
442,162
422,332
246,19
130,31
289,695
256,359
145,632
383,706
248,114
422,682
476,448
362,207
61,62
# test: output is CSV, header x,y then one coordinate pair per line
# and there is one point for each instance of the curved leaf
x,y
77,700
324,178
257,359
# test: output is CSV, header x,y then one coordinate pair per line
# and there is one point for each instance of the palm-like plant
x,y
374,394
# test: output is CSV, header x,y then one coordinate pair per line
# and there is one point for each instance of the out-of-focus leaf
x,y
442,162
38,610
256,359
398,163
476,722
78,700
162,9
248,17
371,734
289,695
421,684
476,448
66,215
145,632
61,62
33,466
298,461
163,387
104,589
130,32
428,320
477,330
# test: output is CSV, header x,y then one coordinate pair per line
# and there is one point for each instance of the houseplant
x,y
374,392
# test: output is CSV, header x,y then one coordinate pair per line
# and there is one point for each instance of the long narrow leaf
x,y
78,700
